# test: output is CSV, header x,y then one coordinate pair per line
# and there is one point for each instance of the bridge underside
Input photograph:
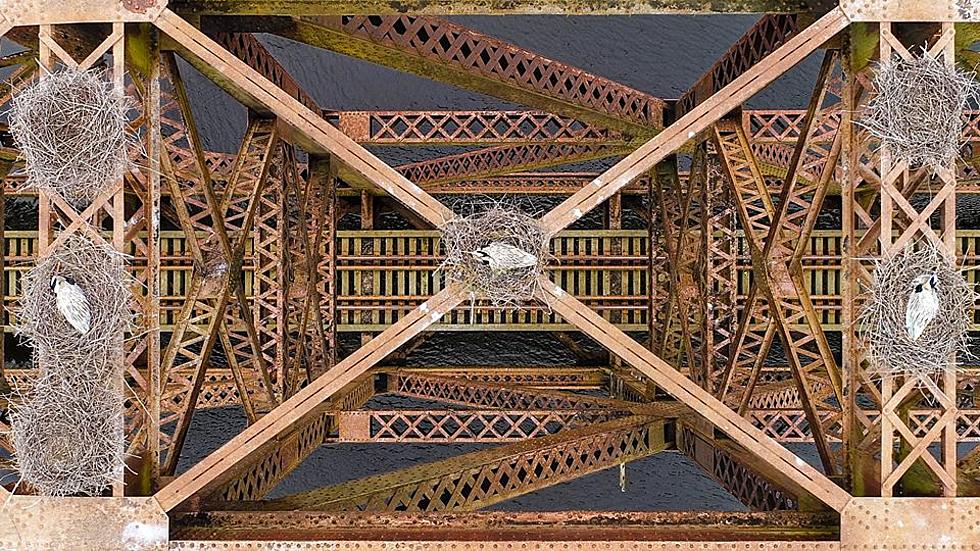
x,y
710,260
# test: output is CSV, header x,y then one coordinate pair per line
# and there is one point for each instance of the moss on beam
x,y
492,7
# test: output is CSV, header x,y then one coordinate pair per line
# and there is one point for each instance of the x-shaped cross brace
x,y
219,467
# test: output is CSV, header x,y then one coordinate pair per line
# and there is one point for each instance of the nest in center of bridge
x,y
72,129
498,253
917,110
883,323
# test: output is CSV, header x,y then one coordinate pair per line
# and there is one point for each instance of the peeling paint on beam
x,y
489,7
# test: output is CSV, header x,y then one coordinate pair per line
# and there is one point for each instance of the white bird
x,y
503,256
923,305
72,303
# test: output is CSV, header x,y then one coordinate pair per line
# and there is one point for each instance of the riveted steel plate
x,y
29,523
505,545
912,10
911,523
52,12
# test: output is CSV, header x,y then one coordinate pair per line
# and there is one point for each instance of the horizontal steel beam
x,y
521,528
447,52
493,7
476,480
461,425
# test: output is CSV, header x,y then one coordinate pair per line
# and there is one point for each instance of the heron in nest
x,y
72,303
503,256
923,305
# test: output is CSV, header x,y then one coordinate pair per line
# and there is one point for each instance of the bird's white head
x,y
924,282
58,281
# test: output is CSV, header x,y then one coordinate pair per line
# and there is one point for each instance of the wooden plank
x,y
217,467
323,137
699,119
680,387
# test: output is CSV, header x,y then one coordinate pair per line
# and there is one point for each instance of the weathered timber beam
x,y
495,161
680,387
243,450
320,136
695,121
454,54
468,128
769,33
480,479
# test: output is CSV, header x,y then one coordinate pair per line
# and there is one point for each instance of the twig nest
x,y
72,129
498,254
100,272
917,111
883,324
68,438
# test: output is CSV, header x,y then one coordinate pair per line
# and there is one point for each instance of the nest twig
x,y
72,130
101,273
881,323
494,222
68,429
917,110
68,435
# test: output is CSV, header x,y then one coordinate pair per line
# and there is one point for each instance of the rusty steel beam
x,y
556,378
697,120
451,53
255,479
652,530
494,395
768,34
494,161
480,479
246,449
316,135
786,299
677,385
455,425
486,128
215,299
736,472
248,49
483,7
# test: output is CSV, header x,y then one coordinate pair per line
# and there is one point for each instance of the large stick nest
x,y
882,320
68,436
72,130
100,272
68,430
495,223
917,110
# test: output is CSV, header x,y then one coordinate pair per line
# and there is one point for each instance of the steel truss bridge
x,y
729,319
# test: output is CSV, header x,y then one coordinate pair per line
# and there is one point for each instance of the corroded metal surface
x,y
34,12
31,523
479,479
486,545
904,524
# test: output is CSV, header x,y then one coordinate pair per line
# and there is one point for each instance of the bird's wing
x,y
74,306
